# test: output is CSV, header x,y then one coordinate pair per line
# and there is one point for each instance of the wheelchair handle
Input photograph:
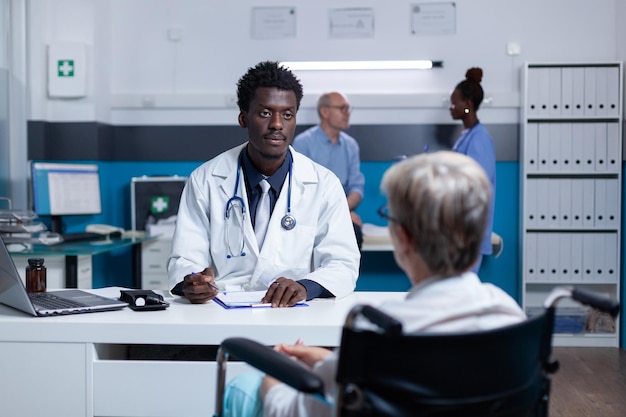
x,y
375,316
596,301
585,297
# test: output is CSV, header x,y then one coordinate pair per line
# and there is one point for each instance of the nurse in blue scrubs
x,y
475,141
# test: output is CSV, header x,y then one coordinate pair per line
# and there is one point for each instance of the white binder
x,y
576,241
543,148
613,89
567,90
590,91
543,207
532,99
565,203
577,206
614,158
601,147
555,92
612,203
600,203
530,253
530,151
565,253
566,147
578,92
554,203
588,202
601,91
578,149
555,147
589,147
589,242
611,257
544,92
531,213
543,255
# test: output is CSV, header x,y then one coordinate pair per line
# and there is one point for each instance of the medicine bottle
x,y
35,275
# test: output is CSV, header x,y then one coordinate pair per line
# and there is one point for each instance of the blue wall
x,y
378,271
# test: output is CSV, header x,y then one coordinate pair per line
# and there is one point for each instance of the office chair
x,y
502,372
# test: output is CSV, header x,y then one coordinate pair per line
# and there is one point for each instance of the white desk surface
x,y
184,323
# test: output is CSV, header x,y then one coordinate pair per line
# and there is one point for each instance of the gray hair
x,y
442,200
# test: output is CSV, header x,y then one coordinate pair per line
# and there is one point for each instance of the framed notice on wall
x,y
351,23
433,19
273,22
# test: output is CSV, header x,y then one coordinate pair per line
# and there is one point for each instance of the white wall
x,y
132,63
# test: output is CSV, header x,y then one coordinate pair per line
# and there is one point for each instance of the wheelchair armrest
x,y
274,364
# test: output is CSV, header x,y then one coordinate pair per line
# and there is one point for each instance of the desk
x,y
72,250
85,372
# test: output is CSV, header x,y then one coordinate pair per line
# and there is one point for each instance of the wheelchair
x,y
503,372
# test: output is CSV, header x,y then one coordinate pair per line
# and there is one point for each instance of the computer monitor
x,y
60,189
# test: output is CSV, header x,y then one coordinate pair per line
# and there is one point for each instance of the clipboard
x,y
245,299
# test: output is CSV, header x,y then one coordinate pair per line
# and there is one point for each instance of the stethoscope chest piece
x,y
288,222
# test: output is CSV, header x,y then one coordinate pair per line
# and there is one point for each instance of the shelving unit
x,y
571,150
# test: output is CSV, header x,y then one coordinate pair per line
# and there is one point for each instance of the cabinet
x,y
154,255
571,161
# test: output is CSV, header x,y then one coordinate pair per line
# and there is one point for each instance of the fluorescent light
x,y
361,65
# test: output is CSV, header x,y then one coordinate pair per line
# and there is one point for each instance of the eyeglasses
x,y
383,212
344,108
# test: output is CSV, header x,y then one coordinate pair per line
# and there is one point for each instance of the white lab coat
x,y
321,247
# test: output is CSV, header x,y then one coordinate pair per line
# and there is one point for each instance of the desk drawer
x,y
156,388
154,255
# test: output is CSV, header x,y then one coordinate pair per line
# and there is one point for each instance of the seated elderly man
x,y
438,207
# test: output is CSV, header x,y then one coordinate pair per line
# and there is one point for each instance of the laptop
x,y
52,303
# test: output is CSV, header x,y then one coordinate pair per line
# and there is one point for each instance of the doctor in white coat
x,y
309,249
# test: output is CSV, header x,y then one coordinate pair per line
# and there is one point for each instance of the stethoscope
x,y
288,222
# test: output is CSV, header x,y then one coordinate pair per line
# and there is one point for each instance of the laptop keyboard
x,y
49,301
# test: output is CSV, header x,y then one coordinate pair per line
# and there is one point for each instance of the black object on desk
x,y
82,236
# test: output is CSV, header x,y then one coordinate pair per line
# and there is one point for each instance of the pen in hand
x,y
215,287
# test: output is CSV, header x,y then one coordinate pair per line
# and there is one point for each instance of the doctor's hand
x,y
284,292
200,287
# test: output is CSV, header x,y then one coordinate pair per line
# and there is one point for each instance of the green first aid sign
x,y
159,204
65,67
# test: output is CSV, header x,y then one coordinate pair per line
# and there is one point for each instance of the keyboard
x,y
49,301
80,236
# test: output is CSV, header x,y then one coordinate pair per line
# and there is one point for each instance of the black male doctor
x,y
309,249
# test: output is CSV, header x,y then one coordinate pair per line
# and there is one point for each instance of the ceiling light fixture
x,y
360,65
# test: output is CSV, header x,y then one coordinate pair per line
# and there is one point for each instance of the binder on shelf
x,y
576,256
613,89
602,108
555,148
532,88
589,242
601,147
600,203
565,257
543,148
578,149
565,203
531,212
565,136
577,206
589,147
567,90
543,256
588,202
578,91
530,255
614,158
554,206
544,91
611,257
530,148
554,75
590,91
612,203
543,207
